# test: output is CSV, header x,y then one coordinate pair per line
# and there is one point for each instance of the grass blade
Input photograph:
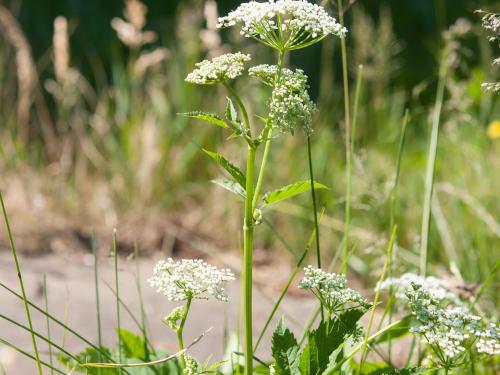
x,y
45,292
377,297
21,283
117,289
97,297
430,171
25,353
286,287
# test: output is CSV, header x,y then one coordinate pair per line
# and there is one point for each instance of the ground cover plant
x,y
443,330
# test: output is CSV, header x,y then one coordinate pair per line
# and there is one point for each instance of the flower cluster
x,y
489,340
437,288
219,69
283,24
450,330
290,105
190,278
331,289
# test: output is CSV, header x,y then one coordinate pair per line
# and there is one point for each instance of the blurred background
x,y
90,139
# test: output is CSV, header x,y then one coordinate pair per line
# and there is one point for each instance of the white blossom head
x,y
190,279
220,69
331,290
437,288
283,24
450,330
290,106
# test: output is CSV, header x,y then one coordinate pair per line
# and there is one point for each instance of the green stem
x,y
430,171
118,321
248,226
21,284
268,136
46,300
97,297
347,123
180,332
377,297
240,105
315,210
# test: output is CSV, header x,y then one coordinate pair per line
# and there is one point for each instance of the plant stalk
x,y
248,226
180,332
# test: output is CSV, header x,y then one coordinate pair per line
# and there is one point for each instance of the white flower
x,y
283,24
173,318
190,278
489,340
219,69
331,289
449,329
290,105
436,287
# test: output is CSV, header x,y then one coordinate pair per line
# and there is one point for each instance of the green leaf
x,y
383,369
232,186
210,117
229,167
231,113
398,330
322,348
285,351
133,346
290,191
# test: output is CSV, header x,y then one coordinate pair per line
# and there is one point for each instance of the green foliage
x,y
229,167
289,191
231,186
133,346
323,349
209,117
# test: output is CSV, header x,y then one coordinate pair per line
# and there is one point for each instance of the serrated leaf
x,y
133,346
229,167
285,351
290,191
210,117
398,330
232,186
321,344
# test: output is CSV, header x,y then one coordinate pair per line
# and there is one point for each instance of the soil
x,y
71,297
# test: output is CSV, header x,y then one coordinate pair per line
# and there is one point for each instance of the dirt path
x,y
71,288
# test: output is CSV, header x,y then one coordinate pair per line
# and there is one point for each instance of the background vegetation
x,y
90,138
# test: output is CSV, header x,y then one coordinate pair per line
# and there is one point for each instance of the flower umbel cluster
x,y
290,105
437,288
218,70
450,330
190,279
283,24
331,289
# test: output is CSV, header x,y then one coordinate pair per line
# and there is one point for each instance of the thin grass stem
x,y
25,353
97,297
117,289
430,170
347,126
21,283
285,289
377,297
46,300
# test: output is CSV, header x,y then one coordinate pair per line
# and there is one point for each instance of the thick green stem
x,y
248,226
180,332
